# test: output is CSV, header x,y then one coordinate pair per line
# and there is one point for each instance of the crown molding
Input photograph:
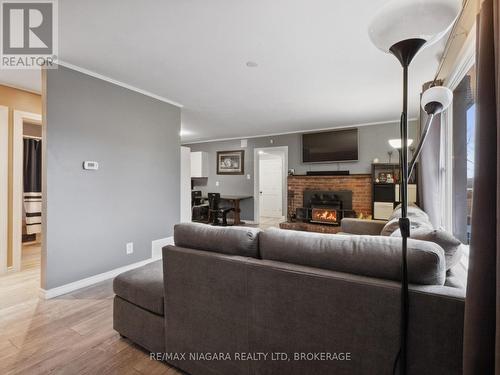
x,y
117,83
20,88
297,131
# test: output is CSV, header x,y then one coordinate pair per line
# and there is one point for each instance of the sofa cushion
x,y
142,286
456,277
452,246
373,256
242,241
418,219
362,226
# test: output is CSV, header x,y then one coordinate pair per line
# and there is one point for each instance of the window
x,y
463,156
471,129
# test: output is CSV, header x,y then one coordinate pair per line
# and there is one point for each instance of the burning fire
x,y
325,215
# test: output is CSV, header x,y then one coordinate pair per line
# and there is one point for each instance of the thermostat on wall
x,y
91,165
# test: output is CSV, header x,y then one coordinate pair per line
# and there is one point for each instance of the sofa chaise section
x,y
138,306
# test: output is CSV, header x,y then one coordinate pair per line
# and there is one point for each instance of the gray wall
x,y
133,197
372,144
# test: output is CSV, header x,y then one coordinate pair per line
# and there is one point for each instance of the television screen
x,y
330,146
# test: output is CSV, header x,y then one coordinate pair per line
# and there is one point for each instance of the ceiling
x,y
30,80
316,65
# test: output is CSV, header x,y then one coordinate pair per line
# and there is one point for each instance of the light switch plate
x,y
90,165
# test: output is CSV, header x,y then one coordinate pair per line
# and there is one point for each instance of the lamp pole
x,y
404,51
401,27
404,224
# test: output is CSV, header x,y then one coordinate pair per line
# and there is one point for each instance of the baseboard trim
x,y
83,283
258,222
157,245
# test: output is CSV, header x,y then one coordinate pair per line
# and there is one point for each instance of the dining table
x,y
234,200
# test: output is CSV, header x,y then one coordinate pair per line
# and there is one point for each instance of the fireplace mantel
x,y
354,175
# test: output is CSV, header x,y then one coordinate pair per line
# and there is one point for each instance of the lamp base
x,y
406,50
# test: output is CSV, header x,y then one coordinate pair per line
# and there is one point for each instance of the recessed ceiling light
x,y
252,64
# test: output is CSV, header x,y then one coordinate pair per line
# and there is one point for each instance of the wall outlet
x,y
248,177
130,247
217,183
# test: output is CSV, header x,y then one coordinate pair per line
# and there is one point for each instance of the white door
x,y
270,187
185,184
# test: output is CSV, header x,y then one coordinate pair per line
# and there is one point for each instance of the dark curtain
x,y
482,304
32,173
428,169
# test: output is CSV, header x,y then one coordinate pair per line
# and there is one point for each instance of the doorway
x,y
20,127
26,189
271,166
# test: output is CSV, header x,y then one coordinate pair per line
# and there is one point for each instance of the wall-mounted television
x,y
330,146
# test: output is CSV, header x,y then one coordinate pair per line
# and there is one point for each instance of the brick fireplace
x,y
358,184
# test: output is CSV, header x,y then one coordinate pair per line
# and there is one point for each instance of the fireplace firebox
x,y
325,207
324,216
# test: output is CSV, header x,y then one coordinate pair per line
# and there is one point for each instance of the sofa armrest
x,y
361,226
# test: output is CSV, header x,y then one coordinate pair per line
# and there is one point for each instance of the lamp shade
x,y
400,20
436,99
396,143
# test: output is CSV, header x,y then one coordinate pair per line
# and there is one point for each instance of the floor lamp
x,y
402,28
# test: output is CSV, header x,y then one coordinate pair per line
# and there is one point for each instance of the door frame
x,y
256,199
4,185
17,181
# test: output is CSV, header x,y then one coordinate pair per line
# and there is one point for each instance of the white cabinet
x,y
382,210
199,164
412,193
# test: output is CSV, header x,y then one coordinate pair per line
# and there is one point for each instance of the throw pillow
x,y
418,219
416,222
452,247
413,211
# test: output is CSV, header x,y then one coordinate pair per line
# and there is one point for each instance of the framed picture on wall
x,y
231,162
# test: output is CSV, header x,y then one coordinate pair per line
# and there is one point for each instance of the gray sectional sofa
x,y
330,303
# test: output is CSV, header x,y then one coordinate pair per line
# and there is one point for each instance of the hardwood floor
x,y
269,222
266,223
71,334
